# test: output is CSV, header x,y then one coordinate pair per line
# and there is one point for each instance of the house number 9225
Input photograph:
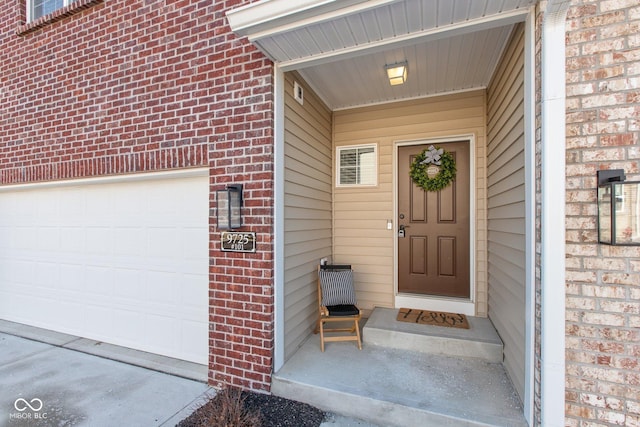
x,y
234,241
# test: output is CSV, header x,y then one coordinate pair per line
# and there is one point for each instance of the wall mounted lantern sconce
x,y
397,73
229,207
618,209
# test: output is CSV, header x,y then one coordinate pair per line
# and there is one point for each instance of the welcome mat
x,y
435,318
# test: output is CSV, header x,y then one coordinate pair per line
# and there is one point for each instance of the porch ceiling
x,y
341,46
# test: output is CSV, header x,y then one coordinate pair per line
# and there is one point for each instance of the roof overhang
x,y
340,47
267,15
310,32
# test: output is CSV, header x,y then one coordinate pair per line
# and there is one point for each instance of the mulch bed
x,y
258,410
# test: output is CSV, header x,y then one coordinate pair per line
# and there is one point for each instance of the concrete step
x,y
390,387
480,341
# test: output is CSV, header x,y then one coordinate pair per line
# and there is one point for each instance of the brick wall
x,y
114,87
103,92
241,151
603,282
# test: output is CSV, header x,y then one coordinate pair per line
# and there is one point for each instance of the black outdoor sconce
x,y
618,209
229,207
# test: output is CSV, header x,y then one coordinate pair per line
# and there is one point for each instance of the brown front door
x,y
433,255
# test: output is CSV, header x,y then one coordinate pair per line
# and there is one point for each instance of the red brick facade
x,y
103,92
107,88
241,151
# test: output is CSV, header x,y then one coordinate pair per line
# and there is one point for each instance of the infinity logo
x,y
21,404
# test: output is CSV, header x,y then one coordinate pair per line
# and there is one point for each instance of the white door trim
x,y
278,219
530,213
422,302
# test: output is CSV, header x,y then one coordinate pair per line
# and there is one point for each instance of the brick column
x,y
603,282
241,152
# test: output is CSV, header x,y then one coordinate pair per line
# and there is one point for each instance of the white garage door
x,y
122,261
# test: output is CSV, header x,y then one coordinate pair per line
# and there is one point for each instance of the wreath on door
x,y
433,169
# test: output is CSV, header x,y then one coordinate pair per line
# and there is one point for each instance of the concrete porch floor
x,y
399,387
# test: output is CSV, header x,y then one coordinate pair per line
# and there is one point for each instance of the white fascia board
x,y
267,17
343,9
107,179
245,17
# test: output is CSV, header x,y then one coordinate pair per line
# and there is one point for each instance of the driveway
x,y
47,385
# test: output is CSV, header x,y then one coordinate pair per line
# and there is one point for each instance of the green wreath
x,y
433,156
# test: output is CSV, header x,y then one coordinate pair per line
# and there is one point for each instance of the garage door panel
x,y
21,272
193,295
98,240
163,332
194,243
97,210
24,237
48,238
163,243
190,333
69,314
124,263
129,198
130,286
72,240
162,287
71,204
99,321
47,275
130,241
130,326
72,277
98,281
47,206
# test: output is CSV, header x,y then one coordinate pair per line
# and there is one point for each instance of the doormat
x,y
435,318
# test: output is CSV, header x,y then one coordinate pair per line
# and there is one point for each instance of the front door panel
x,y
433,255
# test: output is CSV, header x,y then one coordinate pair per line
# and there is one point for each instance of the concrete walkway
x,y
47,385
81,382
402,387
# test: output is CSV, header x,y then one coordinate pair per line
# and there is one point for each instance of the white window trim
x,y
30,17
375,165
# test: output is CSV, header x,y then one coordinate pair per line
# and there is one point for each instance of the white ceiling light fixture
x,y
397,73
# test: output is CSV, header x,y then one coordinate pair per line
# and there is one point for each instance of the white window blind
x,y
357,165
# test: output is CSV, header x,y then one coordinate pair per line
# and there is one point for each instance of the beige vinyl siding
x,y
360,214
506,210
307,208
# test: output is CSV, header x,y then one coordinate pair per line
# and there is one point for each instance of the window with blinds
x,y
39,8
357,165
